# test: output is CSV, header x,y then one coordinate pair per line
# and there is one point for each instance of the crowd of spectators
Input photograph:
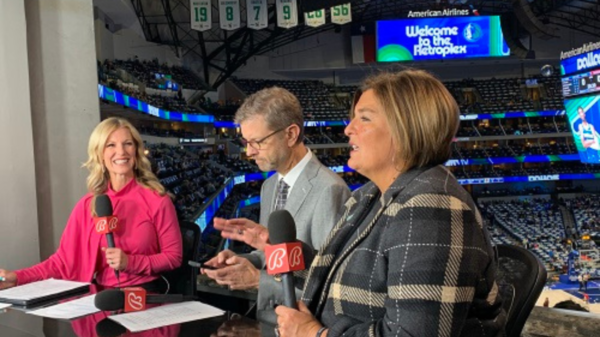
x,y
484,96
145,86
512,149
531,169
537,224
146,71
190,177
314,96
158,132
586,213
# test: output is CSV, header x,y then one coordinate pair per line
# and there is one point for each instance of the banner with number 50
x,y
201,14
287,13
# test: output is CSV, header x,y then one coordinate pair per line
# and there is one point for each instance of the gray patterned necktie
x,y
282,194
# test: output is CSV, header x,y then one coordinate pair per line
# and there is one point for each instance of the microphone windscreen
x,y
110,300
103,206
109,328
282,227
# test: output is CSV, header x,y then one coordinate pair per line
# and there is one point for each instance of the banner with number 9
x,y
287,13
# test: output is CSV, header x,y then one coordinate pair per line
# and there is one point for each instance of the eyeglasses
x,y
256,144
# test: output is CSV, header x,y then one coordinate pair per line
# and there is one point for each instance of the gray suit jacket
x,y
314,201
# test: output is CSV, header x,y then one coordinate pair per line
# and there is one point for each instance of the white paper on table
x,y
77,308
164,315
39,289
4,305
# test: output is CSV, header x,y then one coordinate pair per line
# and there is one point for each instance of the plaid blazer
x,y
416,261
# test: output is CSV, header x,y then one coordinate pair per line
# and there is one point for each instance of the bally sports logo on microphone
x,y
284,258
135,299
106,224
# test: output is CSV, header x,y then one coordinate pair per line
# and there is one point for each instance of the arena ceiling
x,y
222,52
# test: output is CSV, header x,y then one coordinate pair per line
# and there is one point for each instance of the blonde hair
x,y
422,114
97,180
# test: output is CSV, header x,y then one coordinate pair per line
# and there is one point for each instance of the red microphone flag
x,y
284,258
106,224
135,299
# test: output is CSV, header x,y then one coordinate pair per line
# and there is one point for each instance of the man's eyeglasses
x,y
256,144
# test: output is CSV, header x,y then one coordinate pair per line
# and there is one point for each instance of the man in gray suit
x,y
272,125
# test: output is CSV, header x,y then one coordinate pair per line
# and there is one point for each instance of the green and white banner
x,y
229,14
257,11
315,19
341,14
201,14
287,13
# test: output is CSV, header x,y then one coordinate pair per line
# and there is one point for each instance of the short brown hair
x,y
279,107
422,114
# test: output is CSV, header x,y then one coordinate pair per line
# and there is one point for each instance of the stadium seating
x,y
536,222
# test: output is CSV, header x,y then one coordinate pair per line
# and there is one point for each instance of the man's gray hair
x,y
279,107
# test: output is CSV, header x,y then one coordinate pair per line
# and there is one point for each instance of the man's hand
x,y
244,230
218,261
238,274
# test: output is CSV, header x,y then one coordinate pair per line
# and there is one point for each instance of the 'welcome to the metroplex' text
x,y
434,41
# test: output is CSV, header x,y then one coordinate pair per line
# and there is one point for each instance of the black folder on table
x,y
43,299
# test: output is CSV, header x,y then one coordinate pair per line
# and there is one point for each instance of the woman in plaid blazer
x,y
409,255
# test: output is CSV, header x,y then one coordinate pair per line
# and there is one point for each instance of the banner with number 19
x,y
201,14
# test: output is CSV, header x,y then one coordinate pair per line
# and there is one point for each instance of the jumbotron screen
x,y
440,38
584,118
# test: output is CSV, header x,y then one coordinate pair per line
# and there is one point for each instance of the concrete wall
x,y
127,43
64,107
19,243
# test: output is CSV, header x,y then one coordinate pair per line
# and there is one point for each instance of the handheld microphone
x,y
133,299
284,254
109,328
104,221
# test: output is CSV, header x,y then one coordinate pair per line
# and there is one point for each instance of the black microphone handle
x,y
289,290
110,240
111,244
171,298
109,328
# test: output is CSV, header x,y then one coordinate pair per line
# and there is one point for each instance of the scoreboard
x,y
580,84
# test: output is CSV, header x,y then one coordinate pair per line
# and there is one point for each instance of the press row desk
x,y
15,322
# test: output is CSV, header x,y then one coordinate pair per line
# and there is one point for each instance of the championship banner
x,y
287,13
201,15
341,14
229,14
315,18
257,11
